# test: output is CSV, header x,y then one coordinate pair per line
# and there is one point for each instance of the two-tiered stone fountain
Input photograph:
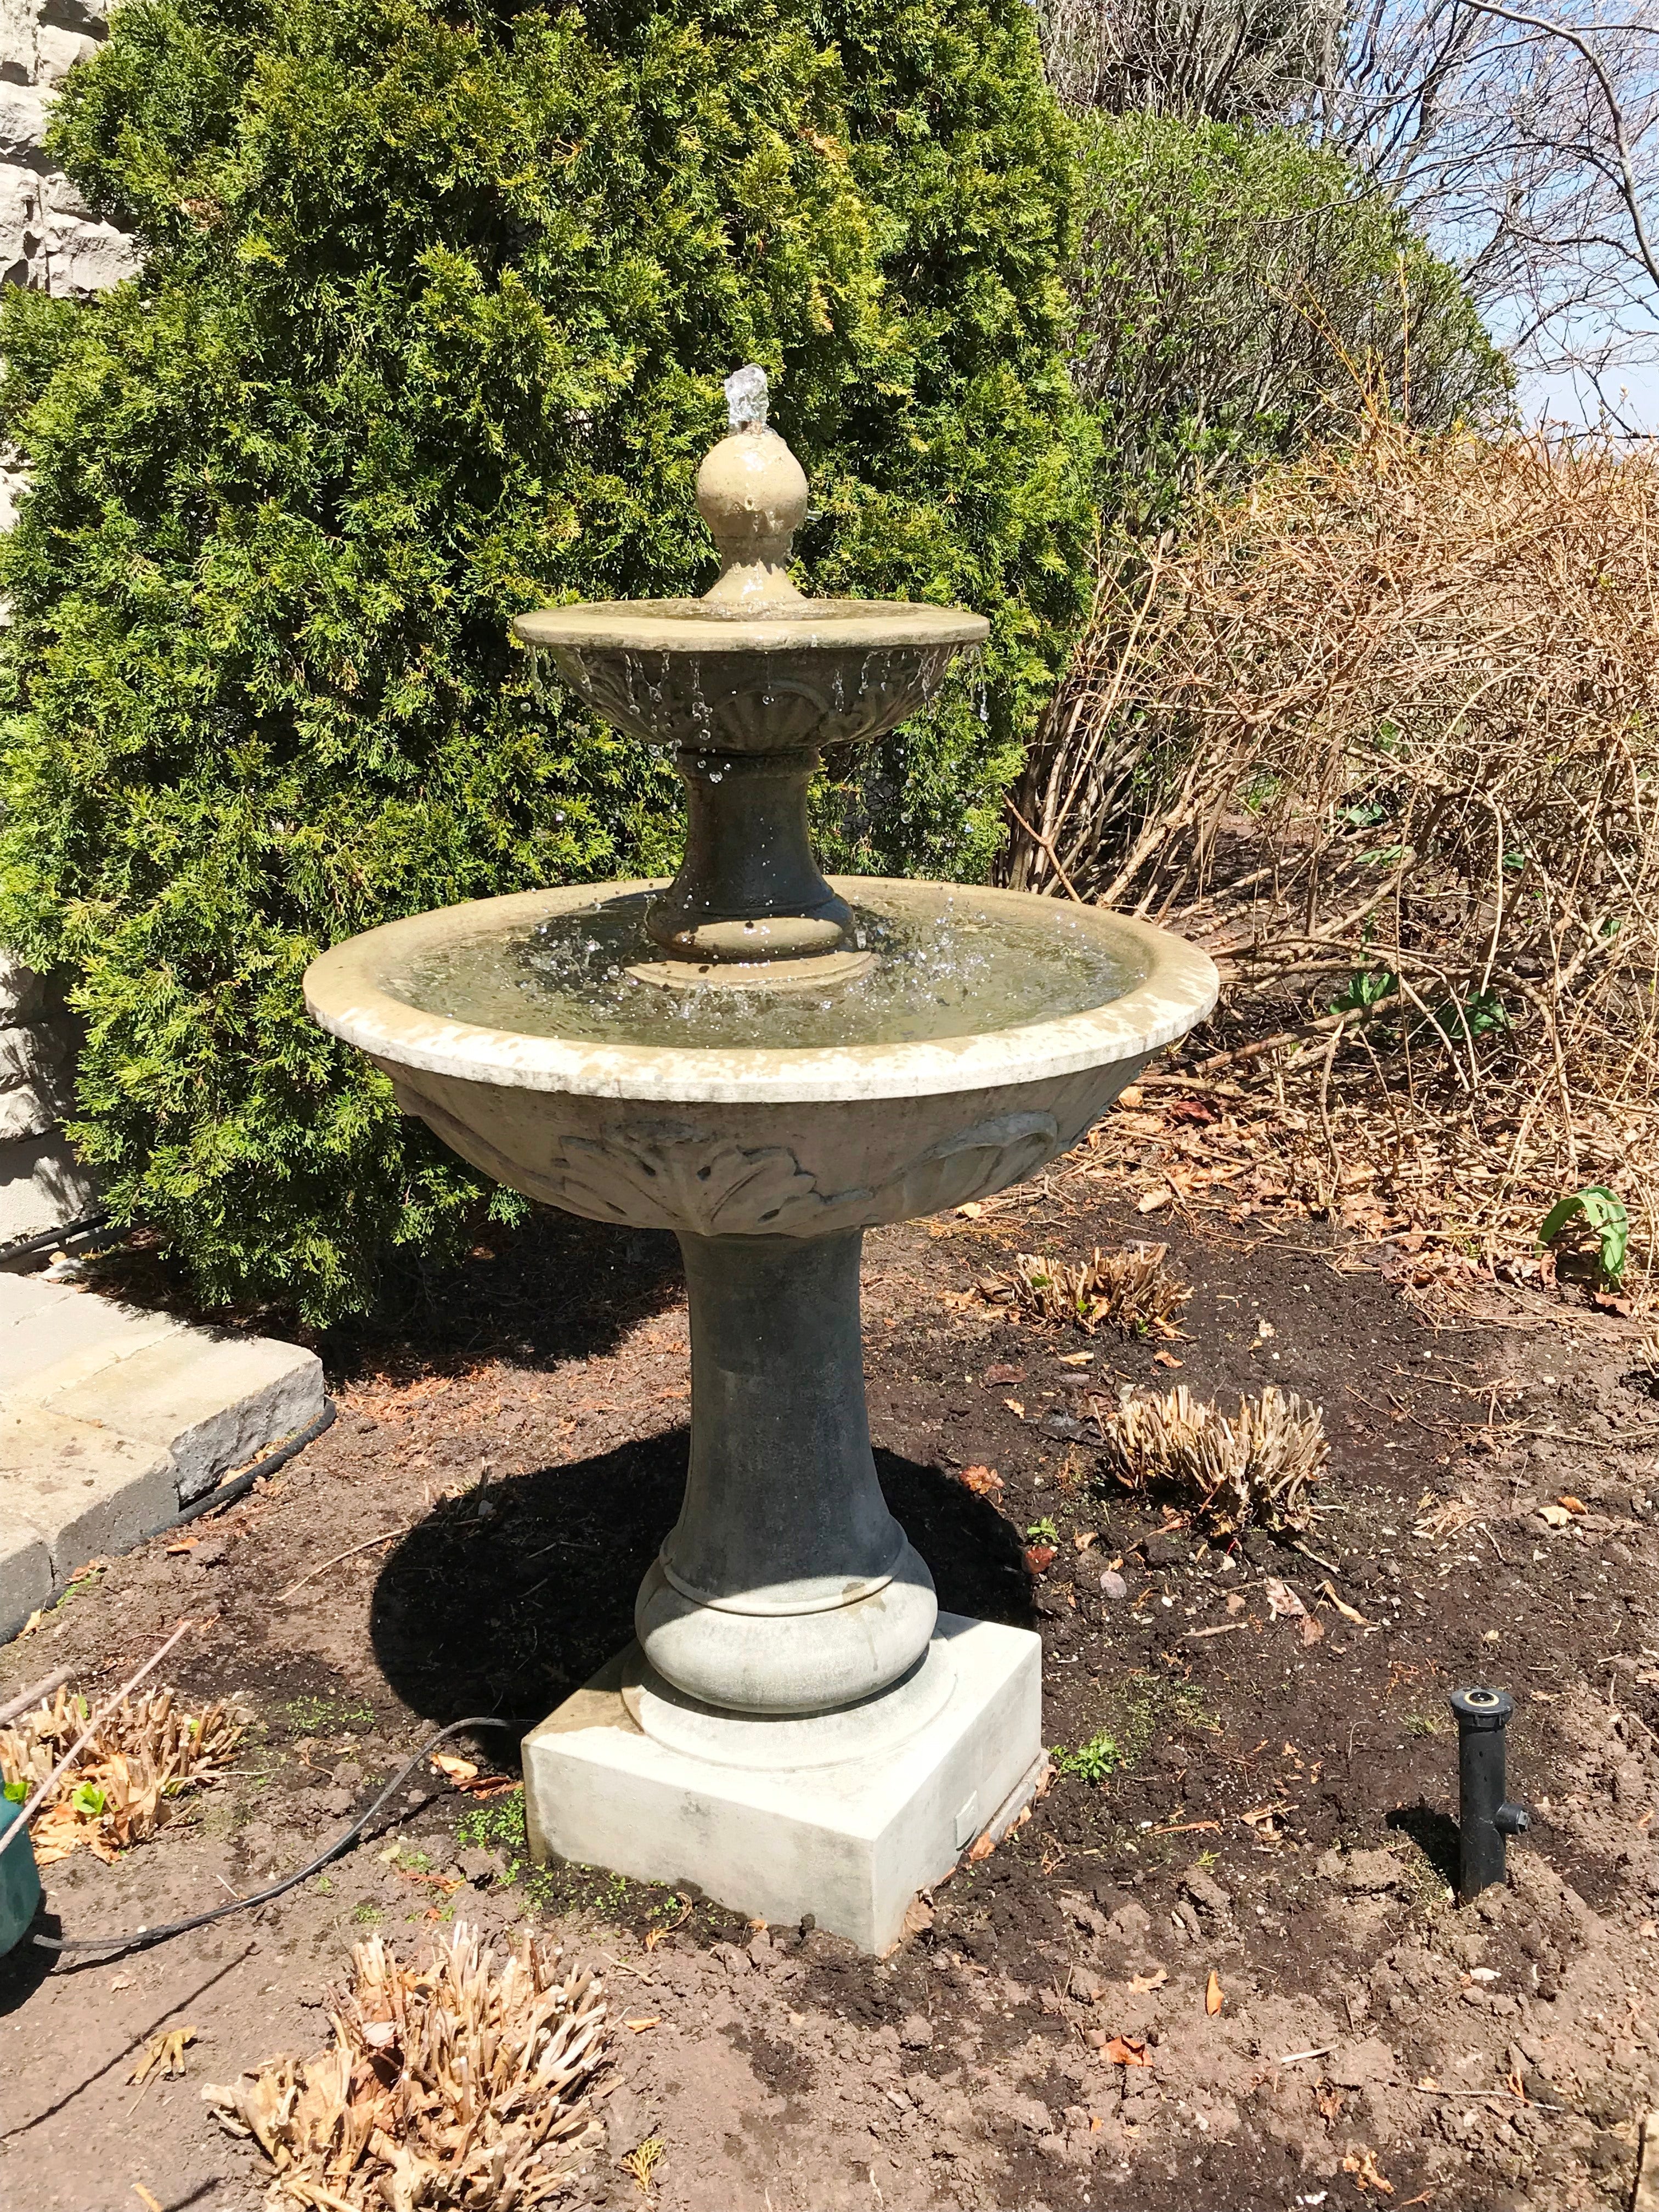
x,y
769,1064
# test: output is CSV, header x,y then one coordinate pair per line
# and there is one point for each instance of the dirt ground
x,y
1274,1808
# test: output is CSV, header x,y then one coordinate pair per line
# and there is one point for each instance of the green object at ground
x,y
20,1881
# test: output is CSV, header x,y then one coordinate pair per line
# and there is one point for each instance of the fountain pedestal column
x,y
798,1728
785,1586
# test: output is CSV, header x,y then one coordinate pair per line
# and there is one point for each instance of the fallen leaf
x,y
1235,1602
1283,1600
639,2027
983,1481
1039,1557
1312,1631
1142,1984
1347,1611
31,1624
1554,1516
1167,1359
459,1769
1360,2163
972,1211
1213,1999
163,2054
1004,1373
918,1917
1082,1538
981,1847
1076,1358
1150,1200
1573,1504
1015,1408
1125,2051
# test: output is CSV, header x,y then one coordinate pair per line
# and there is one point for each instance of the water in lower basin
x,y
946,966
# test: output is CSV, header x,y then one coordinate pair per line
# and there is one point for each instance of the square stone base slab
x,y
851,1842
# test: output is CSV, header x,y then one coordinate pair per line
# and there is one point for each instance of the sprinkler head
x,y
1486,1819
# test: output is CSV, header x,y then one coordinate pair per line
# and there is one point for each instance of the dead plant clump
x,y
463,2085
122,1787
1256,1468
1131,1291
1384,737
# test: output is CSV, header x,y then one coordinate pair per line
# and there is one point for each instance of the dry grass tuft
x,y
1255,1468
122,1786
1384,737
1131,1291
463,2083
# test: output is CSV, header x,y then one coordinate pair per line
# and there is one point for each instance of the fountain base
x,y
843,1815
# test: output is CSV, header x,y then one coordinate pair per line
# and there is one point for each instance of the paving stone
x,y
59,1347
25,1571
210,1402
85,1489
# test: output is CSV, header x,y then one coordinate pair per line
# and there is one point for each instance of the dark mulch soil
x,y
1277,1808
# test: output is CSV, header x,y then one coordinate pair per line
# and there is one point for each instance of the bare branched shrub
x,y
1385,734
1255,1468
127,1779
462,2082
1131,1291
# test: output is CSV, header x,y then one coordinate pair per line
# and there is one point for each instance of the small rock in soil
x,y
915,2032
1207,1893
1163,1551
1361,1874
1113,1585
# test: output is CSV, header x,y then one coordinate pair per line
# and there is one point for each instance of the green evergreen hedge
x,y
431,328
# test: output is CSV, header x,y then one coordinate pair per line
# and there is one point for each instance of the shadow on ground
x,y
509,1610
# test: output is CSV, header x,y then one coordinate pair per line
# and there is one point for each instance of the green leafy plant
x,y
434,307
1090,1762
1364,989
1043,1532
1602,1211
88,1799
15,1793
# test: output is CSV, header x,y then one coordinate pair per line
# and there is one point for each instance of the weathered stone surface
x,y
58,51
49,1351
42,1186
91,16
23,118
84,1489
88,257
25,1571
20,987
17,26
209,1403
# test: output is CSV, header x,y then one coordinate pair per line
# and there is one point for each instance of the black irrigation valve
x,y
1486,1820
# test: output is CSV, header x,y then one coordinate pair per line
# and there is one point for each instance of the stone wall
x,y
49,239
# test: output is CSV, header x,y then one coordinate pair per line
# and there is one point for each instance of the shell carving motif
x,y
692,1182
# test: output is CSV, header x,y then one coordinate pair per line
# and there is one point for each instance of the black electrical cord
x,y
228,1492
49,1239
141,1938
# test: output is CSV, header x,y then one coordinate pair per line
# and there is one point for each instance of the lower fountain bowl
x,y
795,1141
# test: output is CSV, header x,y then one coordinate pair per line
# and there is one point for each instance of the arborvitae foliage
x,y
435,308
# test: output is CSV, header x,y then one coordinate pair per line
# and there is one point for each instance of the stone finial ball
x,y
751,492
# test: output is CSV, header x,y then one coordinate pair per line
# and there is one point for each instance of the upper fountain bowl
x,y
752,666
707,679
